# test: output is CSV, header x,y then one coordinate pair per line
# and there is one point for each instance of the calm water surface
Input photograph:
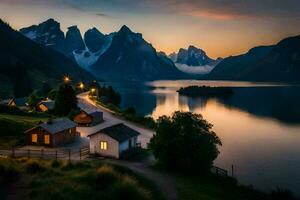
x,y
259,125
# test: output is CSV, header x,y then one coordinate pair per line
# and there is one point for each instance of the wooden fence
x,y
57,154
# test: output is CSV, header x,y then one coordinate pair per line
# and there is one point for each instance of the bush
x,y
105,177
8,173
34,167
280,194
134,154
128,190
55,164
187,140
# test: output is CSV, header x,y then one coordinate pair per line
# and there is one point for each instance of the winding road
x,y
109,119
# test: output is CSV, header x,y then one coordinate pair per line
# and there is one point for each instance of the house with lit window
x,y
113,140
21,103
88,116
45,106
52,133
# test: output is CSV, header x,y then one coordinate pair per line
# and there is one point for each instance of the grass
x,y
47,180
218,188
12,128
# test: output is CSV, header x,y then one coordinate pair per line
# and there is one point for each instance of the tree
x,y
65,100
46,88
33,100
52,94
185,142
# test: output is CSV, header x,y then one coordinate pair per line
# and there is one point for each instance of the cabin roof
x,y
119,132
49,104
21,101
56,125
93,111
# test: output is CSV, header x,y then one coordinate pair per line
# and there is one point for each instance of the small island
x,y
206,91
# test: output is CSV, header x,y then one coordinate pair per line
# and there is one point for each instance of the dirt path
x,y
165,182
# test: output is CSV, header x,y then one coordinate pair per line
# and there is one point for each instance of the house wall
x,y
64,137
112,145
55,140
98,119
43,108
40,139
126,144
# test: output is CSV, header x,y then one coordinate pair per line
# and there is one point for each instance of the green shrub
x,y
8,172
128,189
134,154
34,167
105,177
55,164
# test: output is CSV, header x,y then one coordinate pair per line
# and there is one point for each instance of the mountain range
x,y
280,62
193,60
26,65
108,57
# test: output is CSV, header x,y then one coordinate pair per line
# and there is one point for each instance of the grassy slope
x,y
12,128
43,180
213,188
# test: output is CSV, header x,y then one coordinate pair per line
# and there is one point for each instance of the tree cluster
x,y
185,143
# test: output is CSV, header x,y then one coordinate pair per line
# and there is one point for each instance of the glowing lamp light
x,y
93,90
66,79
81,86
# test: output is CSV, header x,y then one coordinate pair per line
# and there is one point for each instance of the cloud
x,y
205,69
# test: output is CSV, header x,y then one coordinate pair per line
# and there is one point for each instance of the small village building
x,y
21,103
46,106
113,140
88,117
52,133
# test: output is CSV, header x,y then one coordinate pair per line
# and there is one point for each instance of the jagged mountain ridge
x,y
131,58
82,50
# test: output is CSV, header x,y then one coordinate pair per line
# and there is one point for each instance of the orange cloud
x,y
215,15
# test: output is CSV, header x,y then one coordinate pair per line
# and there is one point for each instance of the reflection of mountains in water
x,y
281,103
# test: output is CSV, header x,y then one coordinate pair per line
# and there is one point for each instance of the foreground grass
x,y
47,180
12,128
214,188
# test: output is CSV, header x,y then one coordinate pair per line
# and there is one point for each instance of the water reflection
x,y
259,126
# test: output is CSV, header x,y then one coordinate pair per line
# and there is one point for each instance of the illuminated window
x,y
47,139
70,130
103,145
34,138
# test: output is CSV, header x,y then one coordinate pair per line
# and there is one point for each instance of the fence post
x,y
56,155
232,174
69,155
13,152
42,153
80,153
28,153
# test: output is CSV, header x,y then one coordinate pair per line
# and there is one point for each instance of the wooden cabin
x,y
113,140
52,133
88,117
45,106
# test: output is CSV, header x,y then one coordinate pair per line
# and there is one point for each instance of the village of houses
x,y
94,128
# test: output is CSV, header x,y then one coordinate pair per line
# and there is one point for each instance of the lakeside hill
x,y
280,62
26,65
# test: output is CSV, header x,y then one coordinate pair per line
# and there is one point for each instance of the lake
x,y
259,125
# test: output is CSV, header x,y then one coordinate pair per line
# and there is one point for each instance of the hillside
x,y
26,65
280,62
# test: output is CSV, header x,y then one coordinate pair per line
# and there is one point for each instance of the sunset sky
x,y
220,27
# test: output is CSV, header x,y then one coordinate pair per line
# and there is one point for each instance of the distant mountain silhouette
x,y
131,58
280,62
26,65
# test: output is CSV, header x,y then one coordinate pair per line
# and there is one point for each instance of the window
x,y
103,145
34,138
47,139
70,130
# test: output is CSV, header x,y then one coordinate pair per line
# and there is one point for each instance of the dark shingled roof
x,y
119,132
21,101
56,125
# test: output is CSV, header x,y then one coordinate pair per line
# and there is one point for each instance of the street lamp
x,y
66,79
81,85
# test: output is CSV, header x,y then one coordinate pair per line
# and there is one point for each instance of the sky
x,y
220,27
